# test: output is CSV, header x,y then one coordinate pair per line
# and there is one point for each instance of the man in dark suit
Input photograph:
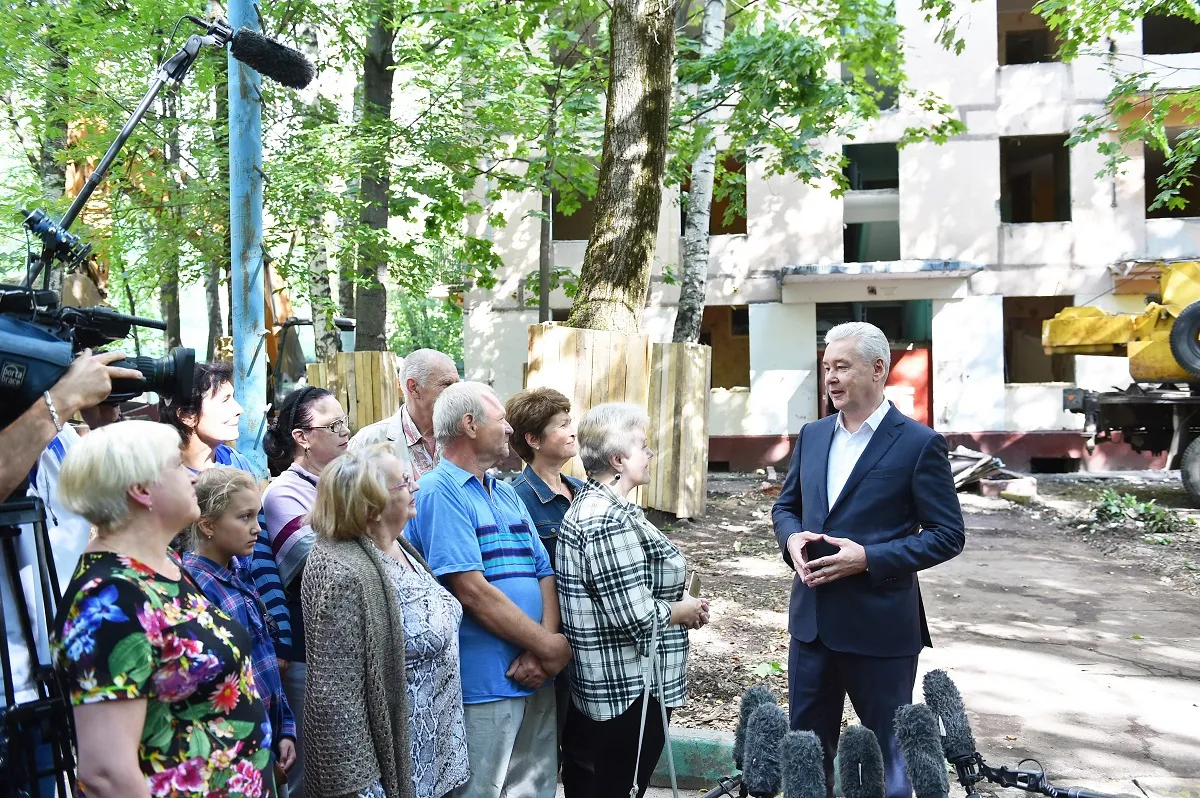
x,y
869,500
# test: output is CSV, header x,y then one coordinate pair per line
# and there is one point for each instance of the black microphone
x,y
276,61
921,744
942,696
803,766
764,743
860,764
752,699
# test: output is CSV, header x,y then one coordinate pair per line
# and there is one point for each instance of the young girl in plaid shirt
x,y
220,544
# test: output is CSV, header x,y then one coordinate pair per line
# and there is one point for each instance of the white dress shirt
x,y
847,447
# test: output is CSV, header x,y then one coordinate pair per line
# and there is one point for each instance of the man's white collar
x,y
873,421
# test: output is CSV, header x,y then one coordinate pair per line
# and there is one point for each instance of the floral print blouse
x,y
129,632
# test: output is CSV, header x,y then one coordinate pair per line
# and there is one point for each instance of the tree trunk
x,y
546,243
212,271
371,300
699,205
616,267
169,287
53,170
320,293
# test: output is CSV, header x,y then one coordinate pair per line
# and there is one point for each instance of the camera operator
x,y
87,383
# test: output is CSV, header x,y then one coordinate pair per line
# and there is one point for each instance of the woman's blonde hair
x,y
215,491
99,469
353,492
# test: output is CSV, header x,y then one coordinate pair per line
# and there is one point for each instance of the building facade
x,y
958,251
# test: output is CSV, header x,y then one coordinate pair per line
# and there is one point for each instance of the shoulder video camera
x,y
39,339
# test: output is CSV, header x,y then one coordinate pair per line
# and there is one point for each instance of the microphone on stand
x,y
942,696
921,744
271,59
803,766
764,742
860,764
752,699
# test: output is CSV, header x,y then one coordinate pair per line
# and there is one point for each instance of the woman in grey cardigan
x,y
383,696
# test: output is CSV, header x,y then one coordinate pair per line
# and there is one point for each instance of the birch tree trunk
x,y
371,299
321,293
694,275
168,291
616,267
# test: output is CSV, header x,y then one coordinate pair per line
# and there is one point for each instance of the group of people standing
x,y
386,618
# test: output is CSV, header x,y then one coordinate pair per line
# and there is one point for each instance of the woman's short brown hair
x,y
531,411
352,492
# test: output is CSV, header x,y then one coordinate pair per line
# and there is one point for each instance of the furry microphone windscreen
x,y
803,766
268,57
764,743
752,699
920,742
942,696
860,764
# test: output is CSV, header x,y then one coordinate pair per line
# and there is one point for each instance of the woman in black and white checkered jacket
x,y
620,585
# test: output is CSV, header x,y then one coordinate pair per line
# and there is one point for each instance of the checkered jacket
x,y
617,575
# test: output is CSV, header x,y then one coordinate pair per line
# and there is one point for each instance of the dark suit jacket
x,y
900,505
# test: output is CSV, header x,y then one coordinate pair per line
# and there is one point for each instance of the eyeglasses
x,y
407,483
339,427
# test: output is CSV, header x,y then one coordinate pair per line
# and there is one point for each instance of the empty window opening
x,y
1053,465
720,328
870,242
1035,179
871,208
576,226
727,214
1165,35
1156,167
1023,35
560,314
872,166
1024,359
904,322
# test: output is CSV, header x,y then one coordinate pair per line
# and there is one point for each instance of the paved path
x,y
1065,655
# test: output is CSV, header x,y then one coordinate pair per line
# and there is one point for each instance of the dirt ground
x,y
1077,648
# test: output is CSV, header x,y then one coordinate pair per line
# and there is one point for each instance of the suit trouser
x,y
819,679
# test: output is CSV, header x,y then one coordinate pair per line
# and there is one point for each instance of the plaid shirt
x,y
234,593
617,574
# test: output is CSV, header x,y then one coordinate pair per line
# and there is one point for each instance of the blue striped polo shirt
x,y
462,527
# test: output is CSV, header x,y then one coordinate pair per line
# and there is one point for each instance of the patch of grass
x,y
1123,511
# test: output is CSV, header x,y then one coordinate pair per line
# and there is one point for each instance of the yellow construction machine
x,y
1160,410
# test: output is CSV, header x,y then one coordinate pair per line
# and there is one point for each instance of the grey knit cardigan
x,y
356,699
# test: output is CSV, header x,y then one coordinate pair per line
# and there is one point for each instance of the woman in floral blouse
x,y
161,679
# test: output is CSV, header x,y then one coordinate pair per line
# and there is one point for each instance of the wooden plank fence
x,y
670,380
364,383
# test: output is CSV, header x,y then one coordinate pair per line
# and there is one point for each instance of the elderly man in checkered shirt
x,y
620,582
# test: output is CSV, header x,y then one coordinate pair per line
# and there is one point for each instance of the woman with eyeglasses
x,y
309,432
385,698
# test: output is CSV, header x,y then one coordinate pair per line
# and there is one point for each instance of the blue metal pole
x,y
245,234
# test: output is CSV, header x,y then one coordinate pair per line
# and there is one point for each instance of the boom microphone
x,y
752,699
860,764
276,61
764,742
942,696
804,766
921,744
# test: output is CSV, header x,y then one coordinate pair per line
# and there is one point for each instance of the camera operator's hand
x,y
88,382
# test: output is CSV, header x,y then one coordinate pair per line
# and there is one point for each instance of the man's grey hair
x,y
606,431
870,342
459,400
419,365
